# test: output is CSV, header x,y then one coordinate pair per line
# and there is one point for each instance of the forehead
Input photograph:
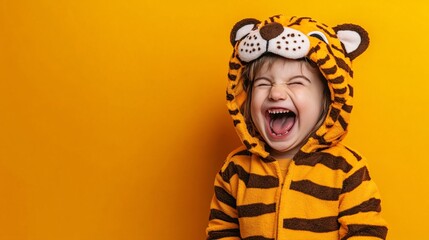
x,y
285,66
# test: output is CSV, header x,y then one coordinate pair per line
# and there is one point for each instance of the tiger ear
x,y
242,28
354,38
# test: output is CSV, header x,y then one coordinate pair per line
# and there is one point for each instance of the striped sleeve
x,y
223,220
360,207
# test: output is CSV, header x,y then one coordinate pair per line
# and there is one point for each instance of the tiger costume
x,y
327,192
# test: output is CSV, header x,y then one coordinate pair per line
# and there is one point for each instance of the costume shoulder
x,y
352,156
239,155
354,159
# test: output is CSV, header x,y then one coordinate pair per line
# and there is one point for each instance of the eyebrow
x,y
296,76
300,76
261,78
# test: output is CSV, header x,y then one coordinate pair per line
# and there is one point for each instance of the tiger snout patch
x,y
275,38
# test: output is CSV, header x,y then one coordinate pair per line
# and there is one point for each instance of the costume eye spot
x,y
319,35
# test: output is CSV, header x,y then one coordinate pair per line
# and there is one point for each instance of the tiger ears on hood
x,y
242,28
353,37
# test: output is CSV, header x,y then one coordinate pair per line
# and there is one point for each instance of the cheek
x,y
318,100
255,106
256,100
311,103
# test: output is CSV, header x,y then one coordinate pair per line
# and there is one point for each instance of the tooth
x,y
282,111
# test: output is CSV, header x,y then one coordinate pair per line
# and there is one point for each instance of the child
x,y
290,97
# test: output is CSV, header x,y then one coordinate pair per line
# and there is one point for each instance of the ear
x,y
242,28
354,38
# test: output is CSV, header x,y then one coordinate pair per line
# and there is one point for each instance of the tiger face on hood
x,y
330,49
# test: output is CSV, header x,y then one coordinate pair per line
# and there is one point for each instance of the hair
x,y
248,75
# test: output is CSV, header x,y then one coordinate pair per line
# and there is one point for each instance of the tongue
x,y
282,125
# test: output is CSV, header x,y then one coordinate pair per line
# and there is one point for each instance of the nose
x,y
271,30
278,93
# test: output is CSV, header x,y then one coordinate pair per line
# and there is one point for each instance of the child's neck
x,y
283,155
284,165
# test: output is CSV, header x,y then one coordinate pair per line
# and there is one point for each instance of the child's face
x,y
286,104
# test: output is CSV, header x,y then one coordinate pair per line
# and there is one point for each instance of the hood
x,y
332,49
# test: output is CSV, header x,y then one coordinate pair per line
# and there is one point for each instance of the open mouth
x,y
280,121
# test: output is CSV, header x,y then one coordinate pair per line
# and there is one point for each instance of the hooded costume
x,y
327,192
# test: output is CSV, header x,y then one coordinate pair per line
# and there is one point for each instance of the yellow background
x,y
113,120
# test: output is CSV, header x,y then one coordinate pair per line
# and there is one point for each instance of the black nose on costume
x,y
271,30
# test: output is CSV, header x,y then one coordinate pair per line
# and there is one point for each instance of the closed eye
x,y
262,82
299,80
296,83
319,35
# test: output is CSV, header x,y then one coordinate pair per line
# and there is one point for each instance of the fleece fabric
x,y
327,192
